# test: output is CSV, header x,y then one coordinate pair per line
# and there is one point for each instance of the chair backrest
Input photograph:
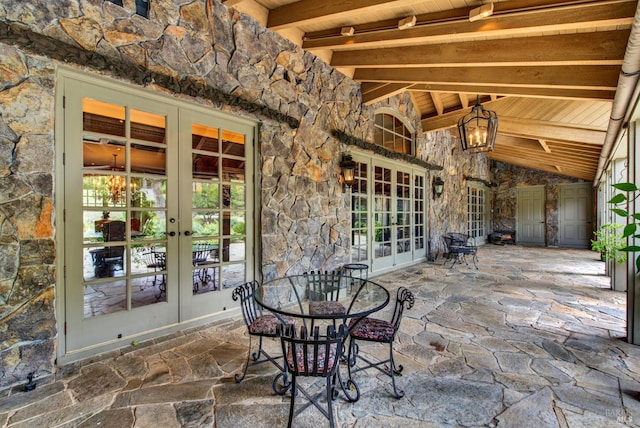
x,y
404,300
245,292
114,231
448,243
312,355
323,286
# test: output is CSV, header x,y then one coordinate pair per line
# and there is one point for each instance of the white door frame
x,y
64,78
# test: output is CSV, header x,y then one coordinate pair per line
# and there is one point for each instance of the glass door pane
x,y
360,215
124,208
215,206
382,216
116,189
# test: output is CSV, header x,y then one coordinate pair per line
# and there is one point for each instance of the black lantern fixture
x,y
438,187
478,129
348,167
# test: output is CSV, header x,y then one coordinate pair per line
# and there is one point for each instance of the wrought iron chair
x,y
156,261
380,331
260,325
109,259
314,356
324,291
204,257
458,246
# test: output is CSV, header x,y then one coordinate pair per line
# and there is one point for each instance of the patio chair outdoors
x,y
380,331
458,246
313,356
155,261
204,257
259,325
107,260
324,292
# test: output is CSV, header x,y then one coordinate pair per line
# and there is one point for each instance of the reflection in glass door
x,y
156,198
215,239
397,229
117,168
382,218
124,208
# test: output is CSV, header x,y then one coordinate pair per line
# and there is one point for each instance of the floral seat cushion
x,y
326,307
312,364
372,329
265,325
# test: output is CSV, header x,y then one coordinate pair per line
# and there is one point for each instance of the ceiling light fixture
x,y
478,129
481,12
405,23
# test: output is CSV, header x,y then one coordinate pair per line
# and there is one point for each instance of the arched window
x,y
393,133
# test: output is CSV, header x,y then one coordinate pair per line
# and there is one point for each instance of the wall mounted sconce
x,y
438,187
348,167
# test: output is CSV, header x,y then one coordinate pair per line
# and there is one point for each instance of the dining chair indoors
x,y
376,330
259,325
313,356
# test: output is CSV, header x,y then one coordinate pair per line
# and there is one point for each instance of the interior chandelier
x,y
478,129
117,184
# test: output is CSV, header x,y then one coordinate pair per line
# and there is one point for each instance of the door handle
x,y
172,234
187,233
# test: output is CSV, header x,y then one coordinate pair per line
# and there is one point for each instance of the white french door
x,y
388,203
155,212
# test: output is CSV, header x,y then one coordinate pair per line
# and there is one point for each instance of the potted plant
x,y
620,201
609,243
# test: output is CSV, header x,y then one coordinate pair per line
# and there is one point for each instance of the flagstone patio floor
x,y
534,338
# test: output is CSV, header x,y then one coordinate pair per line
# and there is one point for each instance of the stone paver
x,y
534,338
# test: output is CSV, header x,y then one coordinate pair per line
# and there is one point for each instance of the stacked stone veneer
x,y
206,53
507,178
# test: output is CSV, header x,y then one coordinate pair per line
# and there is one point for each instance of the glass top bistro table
x,y
292,296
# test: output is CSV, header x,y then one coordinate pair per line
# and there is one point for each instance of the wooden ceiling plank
x,y
554,93
527,128
601,48
306,11
549,131
585,175
603,77
567,159
614,13
383,91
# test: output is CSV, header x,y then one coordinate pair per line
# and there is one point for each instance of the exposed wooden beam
x,y
306,11
549,131
556,93
572,18
464,99
603,77
378,91
527,128
544,146
540,156
571,172
437,102
600,48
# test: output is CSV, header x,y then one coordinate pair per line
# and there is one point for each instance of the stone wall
x,y
203,52
507,178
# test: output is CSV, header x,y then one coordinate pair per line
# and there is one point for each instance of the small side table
x,y
355,270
